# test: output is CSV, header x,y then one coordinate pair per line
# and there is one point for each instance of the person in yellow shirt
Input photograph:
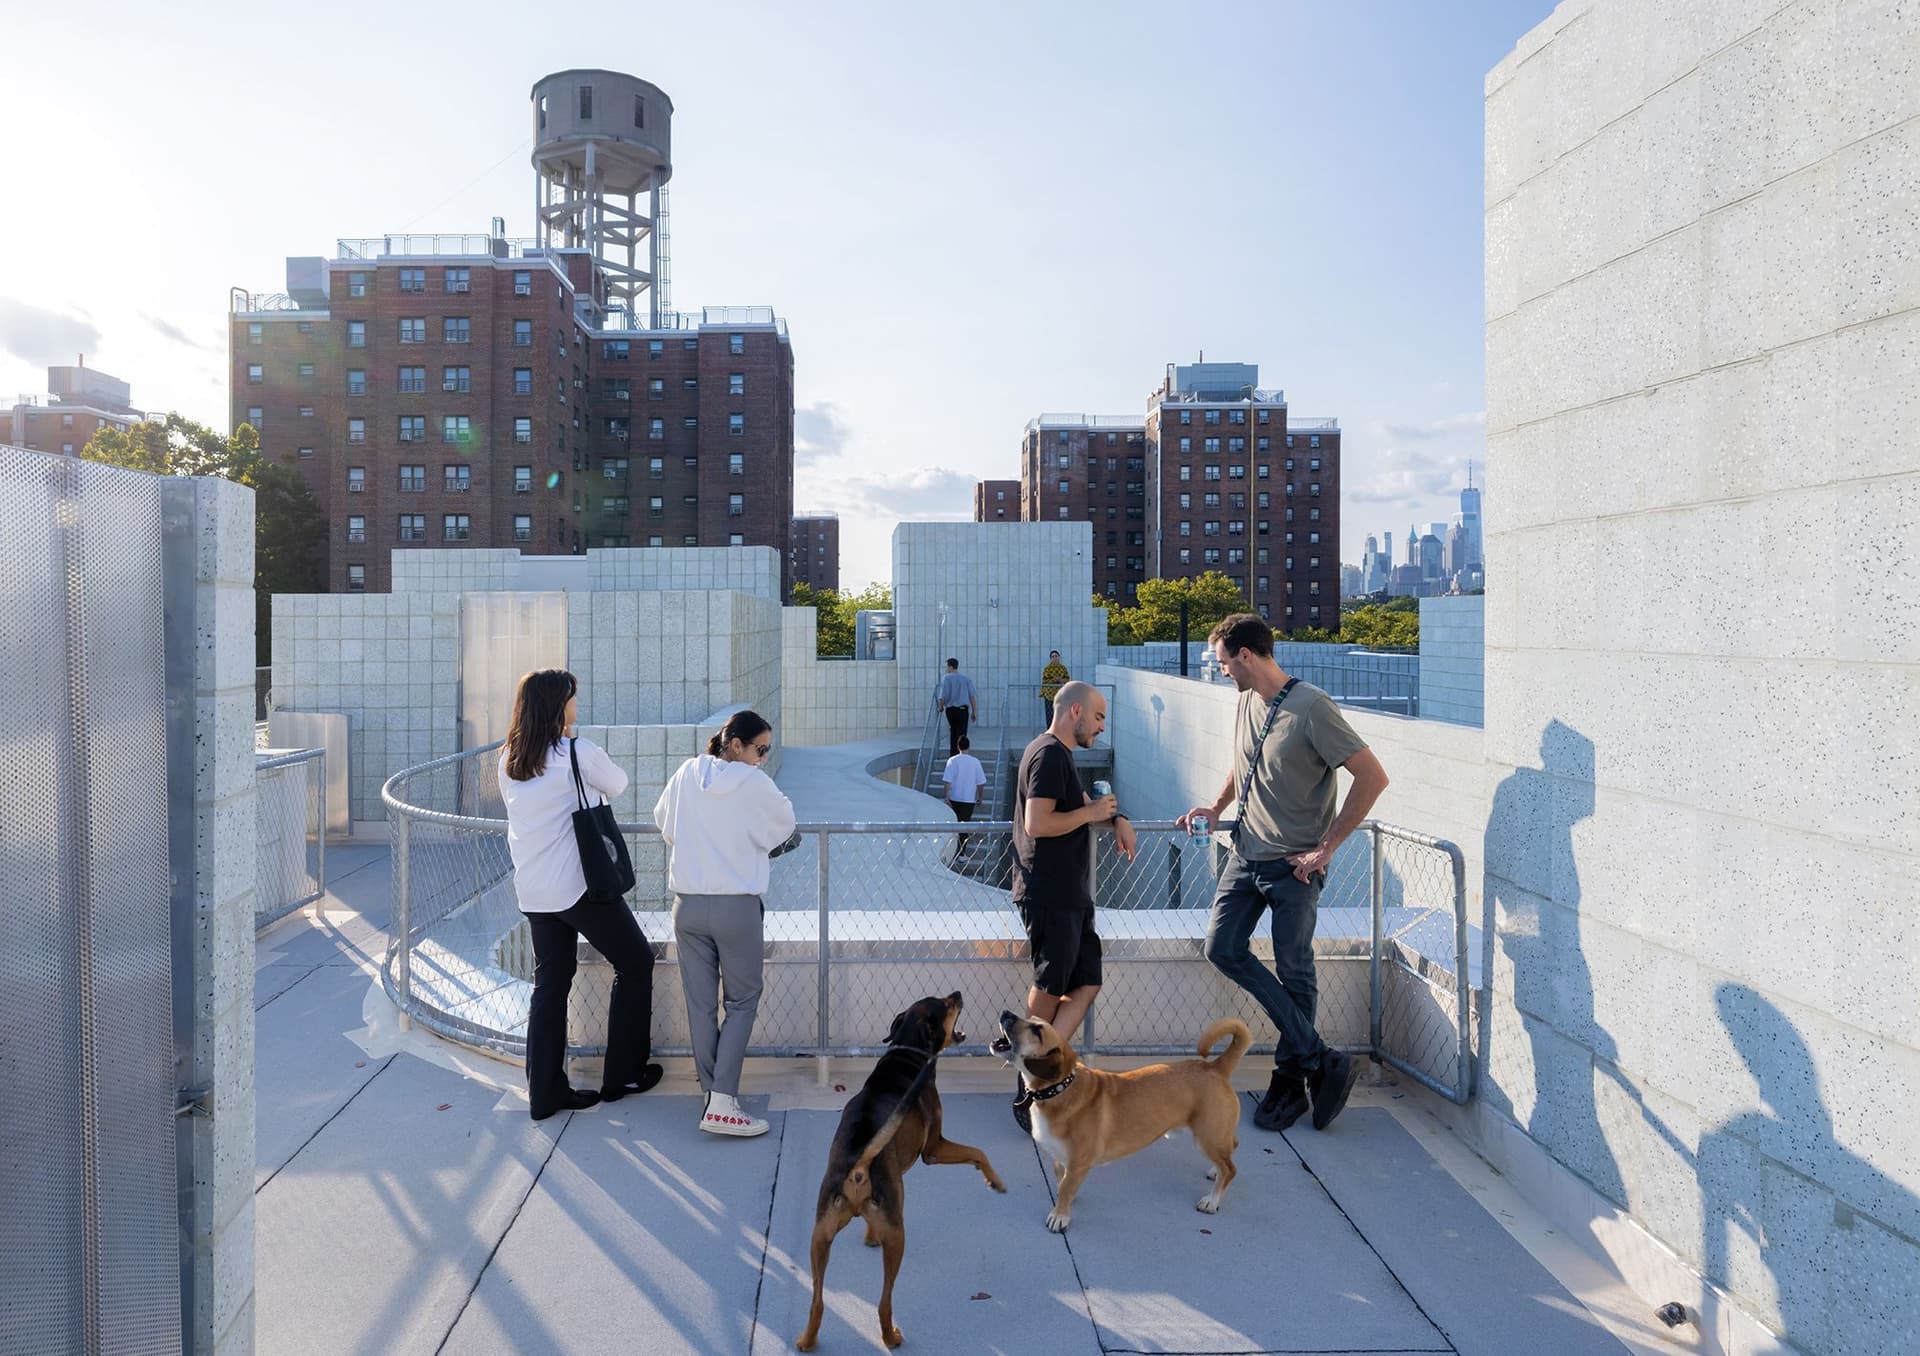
x,y
1051,678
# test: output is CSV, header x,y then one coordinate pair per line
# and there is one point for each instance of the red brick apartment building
x,y
449,392
1217,476
80,401
996,501
1092,467
481,391
813,553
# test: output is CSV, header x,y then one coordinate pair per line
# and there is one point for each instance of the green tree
x,y
290,532
1155,614
1119,632
1382,625
834,625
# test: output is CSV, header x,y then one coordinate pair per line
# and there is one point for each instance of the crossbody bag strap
x,y
579,786
1259,748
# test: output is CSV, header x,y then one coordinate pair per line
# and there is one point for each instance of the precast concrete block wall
x,y
831,701
1013,591
1703,648
1453,647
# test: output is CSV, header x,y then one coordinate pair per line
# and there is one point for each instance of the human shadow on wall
x,y
1532,904
1789,1213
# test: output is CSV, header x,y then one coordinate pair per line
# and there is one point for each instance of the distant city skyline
x,y
947,269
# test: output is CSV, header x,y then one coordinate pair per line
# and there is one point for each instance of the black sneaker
x,y
649,1076
1023,1107
576,1099
1285,1102
1330,1084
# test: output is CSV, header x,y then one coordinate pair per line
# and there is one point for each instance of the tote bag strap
x,y
579,786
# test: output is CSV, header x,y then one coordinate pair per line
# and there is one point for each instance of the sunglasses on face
x,y
761,750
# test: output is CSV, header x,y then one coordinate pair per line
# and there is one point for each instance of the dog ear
x,y
893,1032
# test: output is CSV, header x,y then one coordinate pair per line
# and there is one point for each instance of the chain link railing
x,y
290,809
862,919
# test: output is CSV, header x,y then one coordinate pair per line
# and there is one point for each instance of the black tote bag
x,y
603,850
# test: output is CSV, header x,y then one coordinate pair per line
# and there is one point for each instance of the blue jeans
x,y
1289,991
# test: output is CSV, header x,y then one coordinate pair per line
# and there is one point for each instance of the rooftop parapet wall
x,y
1701,675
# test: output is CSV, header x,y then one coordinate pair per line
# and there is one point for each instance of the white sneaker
x,y
725,1116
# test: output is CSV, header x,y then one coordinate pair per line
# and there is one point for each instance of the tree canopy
x,y
836,613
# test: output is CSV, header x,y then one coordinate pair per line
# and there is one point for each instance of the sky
x,y
967,215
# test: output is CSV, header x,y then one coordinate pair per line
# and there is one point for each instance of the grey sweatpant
x,y
719,936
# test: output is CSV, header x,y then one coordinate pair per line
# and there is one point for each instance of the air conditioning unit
x,y
623,395
457,287
621,435
356,487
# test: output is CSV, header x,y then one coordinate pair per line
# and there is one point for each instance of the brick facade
x,y
996,501
1076,469
479,411
814,551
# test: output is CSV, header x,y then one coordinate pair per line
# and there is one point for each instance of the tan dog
x,y
1084,1116
891,1122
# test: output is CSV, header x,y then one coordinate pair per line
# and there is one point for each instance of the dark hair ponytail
x,y
745,726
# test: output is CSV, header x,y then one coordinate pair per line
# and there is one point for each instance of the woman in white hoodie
x,y
721,815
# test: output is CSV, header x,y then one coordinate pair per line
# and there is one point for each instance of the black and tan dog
x,y
1084,1117
891,1121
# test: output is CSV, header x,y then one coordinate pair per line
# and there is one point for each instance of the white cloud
x,y
42,337
1444,427
820,431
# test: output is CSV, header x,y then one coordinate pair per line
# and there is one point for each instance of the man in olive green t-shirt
x,y
1288,740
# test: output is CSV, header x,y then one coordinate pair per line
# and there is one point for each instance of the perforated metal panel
x,y
89,1239
504,636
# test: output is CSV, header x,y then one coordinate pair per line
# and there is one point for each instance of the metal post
x,y
402,916
1183,637
320,838
1462,988
821,890
1376,991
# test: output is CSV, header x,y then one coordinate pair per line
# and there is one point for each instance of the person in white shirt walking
x,y
722,815
536,783
964,777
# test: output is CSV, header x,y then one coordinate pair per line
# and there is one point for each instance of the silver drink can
x,y
1200,826
1102,789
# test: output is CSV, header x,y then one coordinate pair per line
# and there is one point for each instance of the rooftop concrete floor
x,y
406,1203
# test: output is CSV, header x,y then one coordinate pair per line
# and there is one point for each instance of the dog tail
x,y
1229,1059
857,1187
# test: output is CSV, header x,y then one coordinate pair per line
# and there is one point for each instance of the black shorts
x,y
1066,950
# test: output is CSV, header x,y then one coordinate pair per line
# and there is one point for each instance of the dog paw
x,y
804,1343
870,1241
1057,1222
892,1337
997,1185
1208,1205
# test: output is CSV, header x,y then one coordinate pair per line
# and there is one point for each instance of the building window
x,y
736,505
1063,510
413,527
736,344
457,379
1313,514
736,383
613,350
736,464
255,416
523,381
356,284
1186,528
356,334
586,103
655,506
523,430
413,479
656,388
1260,471
1186,501
456,428
656,428
304,326
458,279
736,425
455,527
456,478
413,280
1186,446
1313,463
1313,440
617,388
256,332
356,480
356,381
523,480
523,334
1210,528
523,527
1211,446
413,428
1186,473
1213,417
614,503
356,528
690,423
305,454
356,579
413,380
523,284
356,430
256,374
413,330
456,329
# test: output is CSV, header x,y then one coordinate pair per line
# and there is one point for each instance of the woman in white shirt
x,y
536,782
721,815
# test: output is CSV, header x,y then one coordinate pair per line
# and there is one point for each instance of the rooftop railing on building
x,y
1071,421
707,317
1262,395
411,246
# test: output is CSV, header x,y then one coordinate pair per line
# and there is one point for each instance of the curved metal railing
x,y
880,901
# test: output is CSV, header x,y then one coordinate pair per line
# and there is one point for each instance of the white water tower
x,y
602,145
